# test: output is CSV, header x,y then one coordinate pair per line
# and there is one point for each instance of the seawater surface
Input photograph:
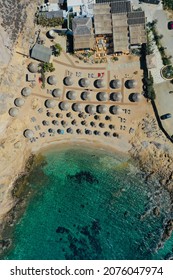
x,y
89,204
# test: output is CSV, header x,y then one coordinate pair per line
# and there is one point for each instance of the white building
x,y
81,7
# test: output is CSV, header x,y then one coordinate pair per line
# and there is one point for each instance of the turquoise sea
x,y
90,204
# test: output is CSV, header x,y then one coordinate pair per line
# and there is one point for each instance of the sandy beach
x,y
136,128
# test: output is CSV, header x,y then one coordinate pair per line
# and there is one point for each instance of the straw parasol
x,y
85,95
51,130
13,112
115,110
115,84
136,97
19,102
33,67
96,132
89,132
59,115
131,83
55,122
102,96
64,106
71,94
102,125
106,133
50,103
93,124
45,123
68,81
28,133
84,82
91,109
69,115
79,131
52,80
77,107
99,83
70,130
102,109
116,96
57,92
26,91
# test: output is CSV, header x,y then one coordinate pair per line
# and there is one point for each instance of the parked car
x,y
166,116
170,25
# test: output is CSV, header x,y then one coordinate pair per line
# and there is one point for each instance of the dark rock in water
x,y
5,244
167,230
168,256
82,206
62,230
126,214
156,211
95,226
83,176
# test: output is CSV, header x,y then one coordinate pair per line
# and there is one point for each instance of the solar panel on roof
x,y
107,1
121,7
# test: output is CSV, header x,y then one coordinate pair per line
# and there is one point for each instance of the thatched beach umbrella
x,y
13,112
102,96
64,106
85,95
33,67
50,103
84,82
51,130
97,117
93,124
106,133
52,80
71,94
59,115
116,96
45,123
55,122
19,102
102,109
57,92
90,109
68,81
102,125
115,84
131,83
52,34
28,133
96,132
136,97
79,131
115,110
89,132
77,107
64,123
26,91
74,122
69,115
70,130
99,83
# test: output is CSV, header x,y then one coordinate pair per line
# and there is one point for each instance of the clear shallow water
x,y
90,205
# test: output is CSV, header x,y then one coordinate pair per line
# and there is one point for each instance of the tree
x,y
57,49
47,67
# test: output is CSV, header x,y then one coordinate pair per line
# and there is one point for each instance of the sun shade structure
x,y
91,109
71,94
41,53
115,110
68,81
77,107
52,33
28,133
19,102
64,106
57,92
45,123
13,112
33,67
84,82
83,37
102,96
131,84
52,80
99,83
102,109
136,97
85,95
50,103
115,84
70,130
26,91
116,96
